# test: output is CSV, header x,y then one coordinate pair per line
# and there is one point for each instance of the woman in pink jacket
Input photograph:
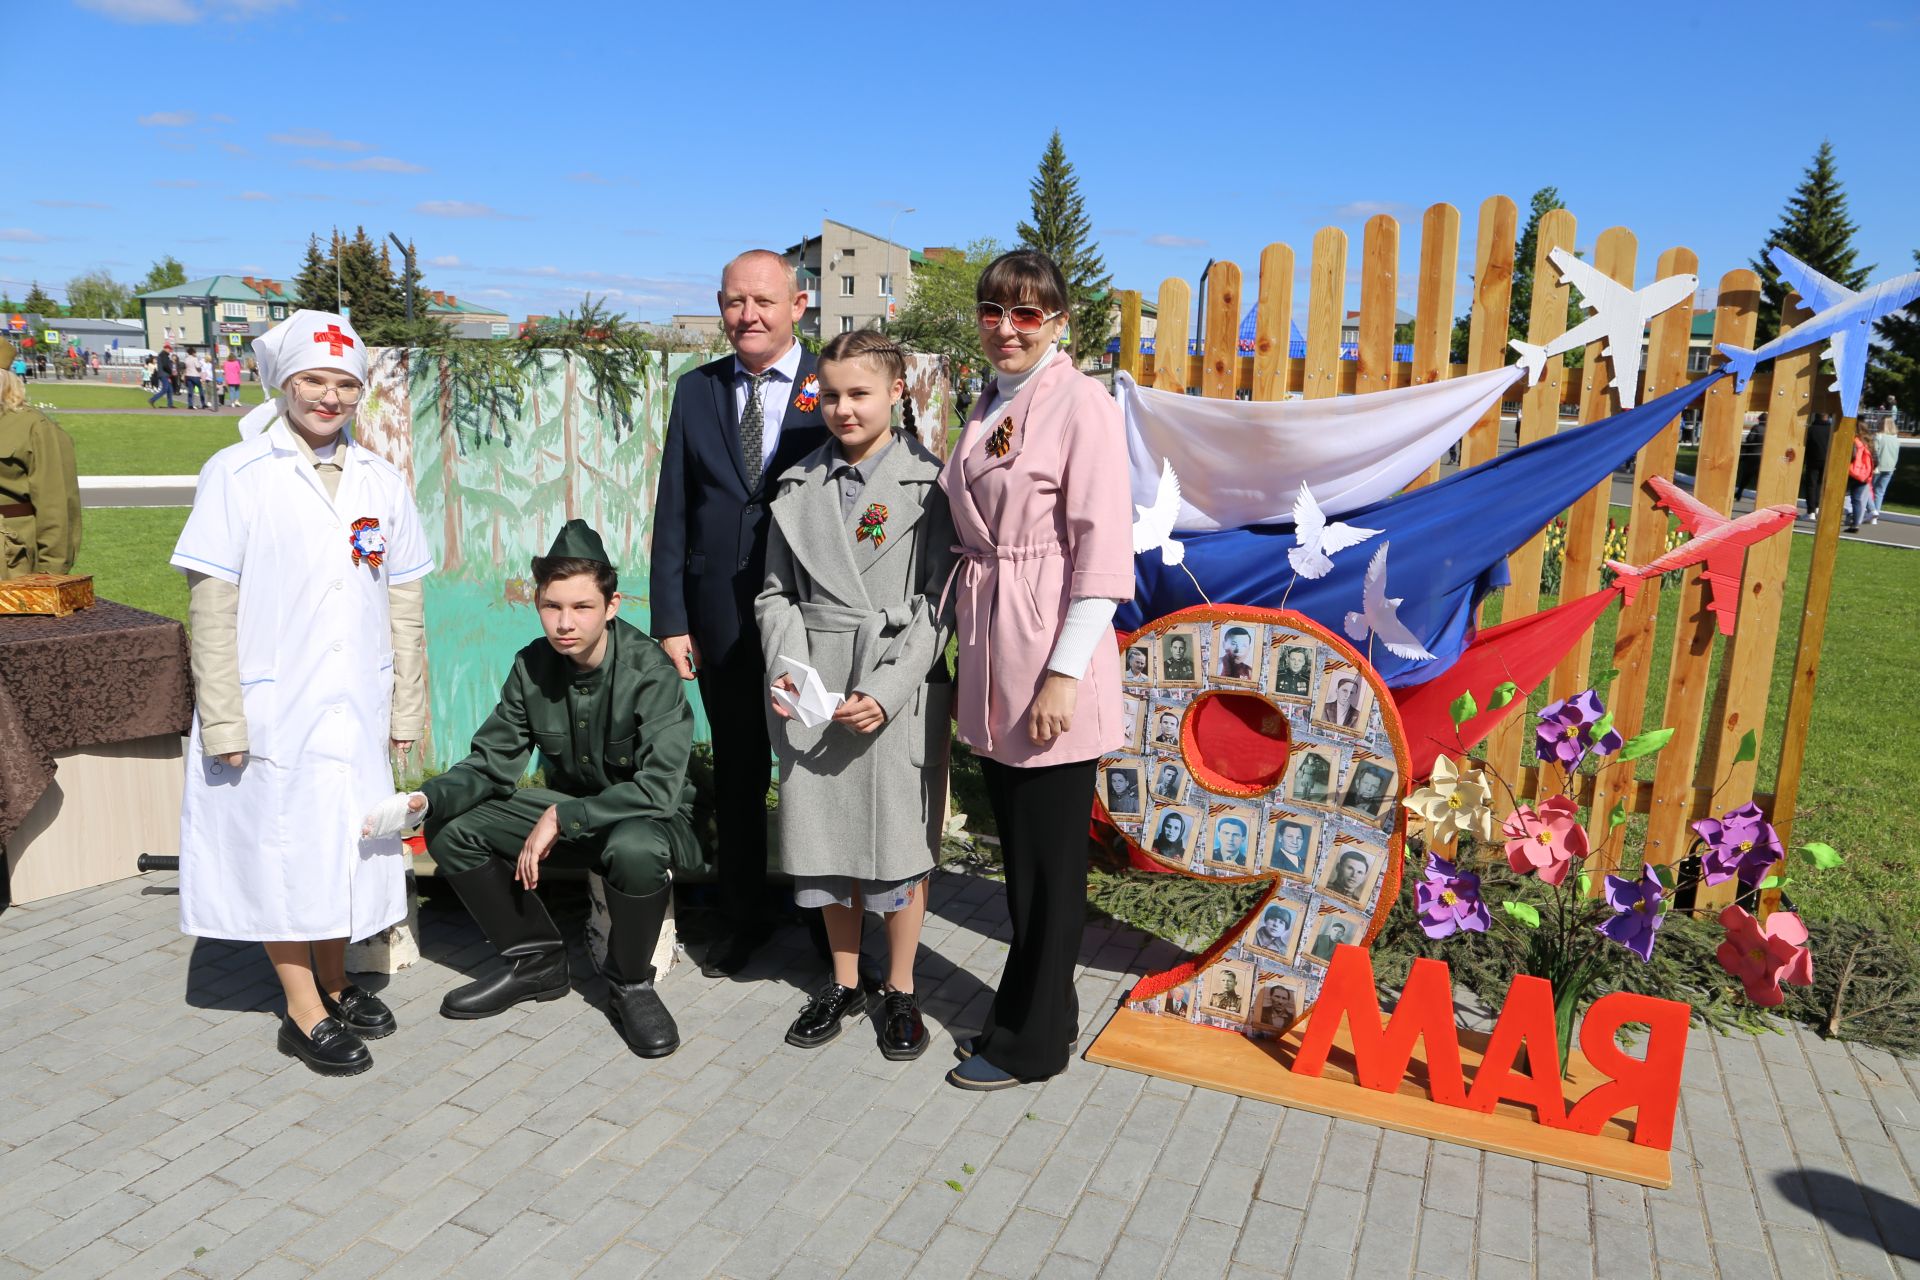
x,y
1039,493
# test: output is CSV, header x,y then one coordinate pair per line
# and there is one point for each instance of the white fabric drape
x,y
1241,462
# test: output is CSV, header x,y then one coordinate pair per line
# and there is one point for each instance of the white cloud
x,y
21,235
71,204
365,164
446,260
218,118
256,197
179,12
1361,209
178,184
318,138
167,119
458,209
1164,241
587,175
496,293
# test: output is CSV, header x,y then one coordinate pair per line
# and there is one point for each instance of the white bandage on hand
x,y
393,815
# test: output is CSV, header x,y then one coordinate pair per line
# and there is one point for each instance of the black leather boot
x,y
516,922
633,931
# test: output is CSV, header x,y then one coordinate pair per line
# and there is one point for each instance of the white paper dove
x,y
1315,540
1153,526
813,706
1380,615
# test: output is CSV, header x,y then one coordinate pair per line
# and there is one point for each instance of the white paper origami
x,y
1620,315
1380,614
813,706
1315,541
1153,526
1841,316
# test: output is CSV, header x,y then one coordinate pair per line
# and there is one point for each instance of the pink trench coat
x,y
1045,522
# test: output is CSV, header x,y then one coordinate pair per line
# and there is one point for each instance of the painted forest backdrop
x,y
499,457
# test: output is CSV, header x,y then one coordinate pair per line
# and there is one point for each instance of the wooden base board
x,y
1260,1069
107,805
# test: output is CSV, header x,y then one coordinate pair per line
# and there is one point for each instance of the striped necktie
x,y
752,427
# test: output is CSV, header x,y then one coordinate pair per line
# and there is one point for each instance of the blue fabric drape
x,y
1450,541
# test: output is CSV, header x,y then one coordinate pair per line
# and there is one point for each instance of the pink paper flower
x,y
1764,956
1546,841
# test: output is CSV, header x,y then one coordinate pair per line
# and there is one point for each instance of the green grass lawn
x,y
126,550
102,395
112,444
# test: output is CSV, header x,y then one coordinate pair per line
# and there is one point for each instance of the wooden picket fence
x,y
1697,774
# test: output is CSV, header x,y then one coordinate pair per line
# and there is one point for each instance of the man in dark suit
x,y
735,425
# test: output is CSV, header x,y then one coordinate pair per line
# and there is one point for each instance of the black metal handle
x,y
158,862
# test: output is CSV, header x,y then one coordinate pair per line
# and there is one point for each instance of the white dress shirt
x,y
776,393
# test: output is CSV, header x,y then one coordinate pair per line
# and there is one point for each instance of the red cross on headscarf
x,y
337,340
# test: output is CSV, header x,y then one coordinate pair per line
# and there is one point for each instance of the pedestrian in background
x,y
163,375
1886,460
190,370
231,374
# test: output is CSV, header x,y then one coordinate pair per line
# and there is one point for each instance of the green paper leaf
x,y
954,1185
1749,748
1646,744
1586,884
1602,726
1776,882
1525,913
967,1168
1606,679
1823,856
1464,708
1618,817
1666,877
1502,695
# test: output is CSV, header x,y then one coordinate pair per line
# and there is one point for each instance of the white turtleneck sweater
x,y
1089,618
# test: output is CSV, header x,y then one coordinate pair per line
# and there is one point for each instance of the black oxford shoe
x,y
903,1036
645,1024
820,1020
364,1013
330,1048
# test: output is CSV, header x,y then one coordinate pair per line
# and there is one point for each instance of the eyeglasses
x,y
311,392
1024,319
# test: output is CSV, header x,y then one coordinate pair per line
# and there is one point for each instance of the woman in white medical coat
x,y
303,555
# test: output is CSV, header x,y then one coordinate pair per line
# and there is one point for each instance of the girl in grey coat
x,y
859,550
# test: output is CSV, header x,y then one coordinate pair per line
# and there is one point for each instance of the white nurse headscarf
x,y
304,341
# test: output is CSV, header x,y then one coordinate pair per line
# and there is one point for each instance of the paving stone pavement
x,y
148,1127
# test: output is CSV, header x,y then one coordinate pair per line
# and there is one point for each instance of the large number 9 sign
x,y
1260,747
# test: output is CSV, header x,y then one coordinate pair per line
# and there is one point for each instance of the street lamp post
x,y
886,318
406,253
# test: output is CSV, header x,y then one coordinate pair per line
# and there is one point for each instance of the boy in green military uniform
x,y
605,707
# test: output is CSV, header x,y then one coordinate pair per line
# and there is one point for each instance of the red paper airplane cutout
x,y
1718,542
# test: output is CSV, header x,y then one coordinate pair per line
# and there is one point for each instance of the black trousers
x,y
735,696
1042,815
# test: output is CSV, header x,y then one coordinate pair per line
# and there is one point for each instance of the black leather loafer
x,y
903,1035
364,1013
820,1019
329,1048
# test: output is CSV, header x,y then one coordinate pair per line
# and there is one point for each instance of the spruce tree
x,y
313,286
366,278
1061,230
1814,227
39,302
1520,299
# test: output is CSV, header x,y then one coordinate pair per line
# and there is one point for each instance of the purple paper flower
x,y
1565,733
1636,912
1449,900
1740,842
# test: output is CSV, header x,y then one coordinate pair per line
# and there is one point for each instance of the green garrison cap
x,y
578,541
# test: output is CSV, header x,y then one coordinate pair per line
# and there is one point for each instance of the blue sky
x,y
535,152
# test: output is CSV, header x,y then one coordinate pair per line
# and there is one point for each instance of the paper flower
x,y
1740,842
367,542
1764,956
1449,900
1636,907
1546,840
807,399
1565,733
873,524
1453,802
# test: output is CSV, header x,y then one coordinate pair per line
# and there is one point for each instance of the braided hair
x,y
874,345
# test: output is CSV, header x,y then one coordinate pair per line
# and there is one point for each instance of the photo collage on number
x,y
1324,828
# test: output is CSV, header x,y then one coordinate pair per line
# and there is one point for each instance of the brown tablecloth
x,y
105,674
